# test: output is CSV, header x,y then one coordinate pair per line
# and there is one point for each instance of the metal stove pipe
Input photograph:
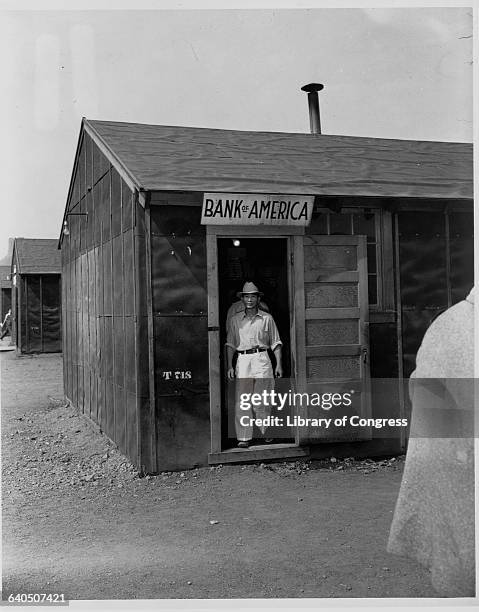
x,y
313,104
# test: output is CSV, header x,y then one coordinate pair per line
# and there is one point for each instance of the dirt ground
x,y
78,520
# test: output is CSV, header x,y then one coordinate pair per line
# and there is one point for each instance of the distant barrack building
x,y
161,228
36,295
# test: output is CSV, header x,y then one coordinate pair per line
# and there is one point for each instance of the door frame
x,y
213,232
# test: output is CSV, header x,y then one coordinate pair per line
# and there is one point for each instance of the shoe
x,y
243,444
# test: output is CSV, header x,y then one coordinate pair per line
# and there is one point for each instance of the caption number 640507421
x,y
36,598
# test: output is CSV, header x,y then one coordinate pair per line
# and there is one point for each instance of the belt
x,y
253,350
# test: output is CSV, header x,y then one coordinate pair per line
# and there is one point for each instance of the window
x,y
353,222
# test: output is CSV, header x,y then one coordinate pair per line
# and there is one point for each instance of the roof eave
x,y
14,261
72,181
126,174
39,271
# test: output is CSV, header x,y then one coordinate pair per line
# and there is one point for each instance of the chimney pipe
x,y
313,104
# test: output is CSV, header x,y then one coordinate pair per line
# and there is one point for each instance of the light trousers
x,y
254,374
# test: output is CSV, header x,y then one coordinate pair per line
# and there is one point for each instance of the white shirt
x,y
246,333
239,307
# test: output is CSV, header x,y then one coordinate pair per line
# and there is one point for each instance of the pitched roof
x,y
37,256
5,282
160,157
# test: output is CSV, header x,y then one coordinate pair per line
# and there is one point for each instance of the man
x,y
7,325
251,333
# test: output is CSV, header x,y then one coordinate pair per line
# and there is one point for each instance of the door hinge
x,y
291,256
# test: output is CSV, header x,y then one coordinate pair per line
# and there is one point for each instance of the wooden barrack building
x,y
36,295
148,278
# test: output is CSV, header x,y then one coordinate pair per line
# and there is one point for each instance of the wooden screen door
x,y
331,332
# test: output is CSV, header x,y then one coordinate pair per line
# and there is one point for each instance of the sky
x,y
388,73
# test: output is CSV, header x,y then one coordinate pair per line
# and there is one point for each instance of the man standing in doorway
x,y
251,333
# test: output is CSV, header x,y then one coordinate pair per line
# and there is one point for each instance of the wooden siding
x,y
179,305
105,364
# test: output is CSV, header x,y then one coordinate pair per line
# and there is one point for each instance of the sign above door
x,y
256,209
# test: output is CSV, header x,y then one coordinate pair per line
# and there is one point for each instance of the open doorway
x,y
263,261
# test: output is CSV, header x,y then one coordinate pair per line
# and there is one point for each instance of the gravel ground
x,y
78,519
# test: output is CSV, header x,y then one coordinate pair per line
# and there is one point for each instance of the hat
x,y
249,288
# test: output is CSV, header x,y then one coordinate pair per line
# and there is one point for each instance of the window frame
x,y
384,251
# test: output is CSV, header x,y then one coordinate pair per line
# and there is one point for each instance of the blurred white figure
x,y
434,518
